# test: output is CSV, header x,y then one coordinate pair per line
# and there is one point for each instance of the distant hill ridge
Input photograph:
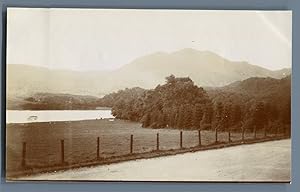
x,y
261,88
204,67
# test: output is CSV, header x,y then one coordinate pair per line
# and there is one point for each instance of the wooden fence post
x,y
216,135
62,150
24,155
199,137
180,139
157,141
229,135
98,148
243,134
131,144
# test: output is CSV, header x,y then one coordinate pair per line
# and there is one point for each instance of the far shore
x,y
97,108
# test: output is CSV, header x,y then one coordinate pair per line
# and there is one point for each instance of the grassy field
x,y
267,162
43,147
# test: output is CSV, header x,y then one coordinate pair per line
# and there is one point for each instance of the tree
x,y
259,115
170,79
218,115
236,114
188,117
226,117
146,120
286,113
197,116
207,117
180,120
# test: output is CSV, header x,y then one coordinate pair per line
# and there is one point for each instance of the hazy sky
x,y
98,39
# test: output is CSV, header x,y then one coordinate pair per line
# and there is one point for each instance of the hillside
x,y
272,95
52,101
204,67
26,80
265,89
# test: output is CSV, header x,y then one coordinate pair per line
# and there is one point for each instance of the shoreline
x,y
85,109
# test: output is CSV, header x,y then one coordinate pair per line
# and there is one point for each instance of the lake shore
x,y
35,116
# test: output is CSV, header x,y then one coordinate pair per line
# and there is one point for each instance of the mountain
x,y
204,67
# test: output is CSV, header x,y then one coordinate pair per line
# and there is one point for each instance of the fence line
x,y
131,144
98,148
199,137
62,146
243,134
181,145
24,162
157,141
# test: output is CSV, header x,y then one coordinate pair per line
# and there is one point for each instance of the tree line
x,y
181,104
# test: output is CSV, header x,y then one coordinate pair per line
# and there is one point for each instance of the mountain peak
x,y
194,51
190,50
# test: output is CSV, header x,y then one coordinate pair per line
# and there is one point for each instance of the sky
x,y
106,39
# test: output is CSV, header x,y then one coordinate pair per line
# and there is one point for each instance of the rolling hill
x,y
204,67
246,92
265,89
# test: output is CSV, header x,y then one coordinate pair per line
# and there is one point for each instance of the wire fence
x,y
66,154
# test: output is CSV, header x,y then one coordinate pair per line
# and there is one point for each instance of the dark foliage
x,y
51,101
179,103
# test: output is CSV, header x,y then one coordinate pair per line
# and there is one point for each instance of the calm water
x,y
16,116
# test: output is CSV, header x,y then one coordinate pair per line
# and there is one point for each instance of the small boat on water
x,y
32,118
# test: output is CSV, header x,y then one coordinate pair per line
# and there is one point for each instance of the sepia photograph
x,y
148,95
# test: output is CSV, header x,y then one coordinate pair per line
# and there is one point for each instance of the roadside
x,y
134,156
264,162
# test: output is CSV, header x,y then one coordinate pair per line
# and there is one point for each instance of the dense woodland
x,y
179,103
